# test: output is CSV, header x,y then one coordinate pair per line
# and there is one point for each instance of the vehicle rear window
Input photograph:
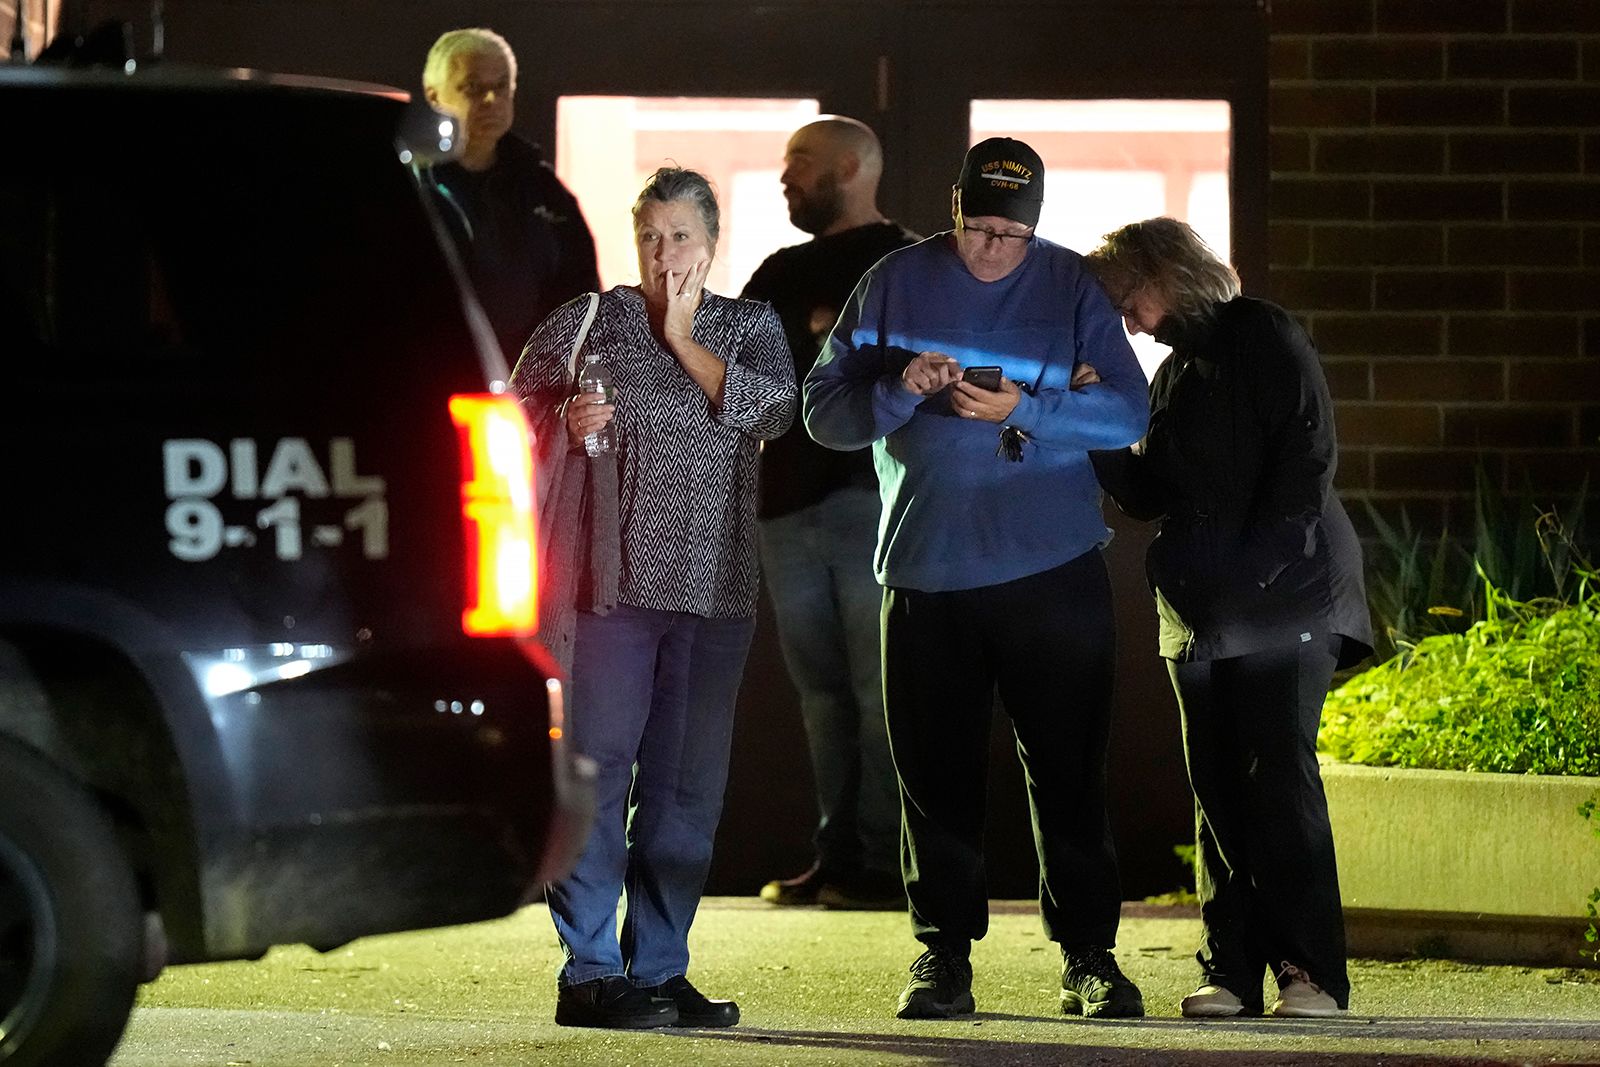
x,y
257,233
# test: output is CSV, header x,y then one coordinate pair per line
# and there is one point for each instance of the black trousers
x,y
1268,882
1048,642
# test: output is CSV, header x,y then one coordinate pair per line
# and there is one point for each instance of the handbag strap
x,y
583,333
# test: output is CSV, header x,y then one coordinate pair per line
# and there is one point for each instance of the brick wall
x,y
1435,220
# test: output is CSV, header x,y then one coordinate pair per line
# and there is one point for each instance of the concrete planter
x,y
1492,867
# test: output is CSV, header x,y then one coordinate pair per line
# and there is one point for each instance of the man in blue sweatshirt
x,y
989,554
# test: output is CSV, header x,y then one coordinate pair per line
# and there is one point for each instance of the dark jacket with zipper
x,y
1255,551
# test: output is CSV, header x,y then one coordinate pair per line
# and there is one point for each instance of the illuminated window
x,y
606,146
1111,162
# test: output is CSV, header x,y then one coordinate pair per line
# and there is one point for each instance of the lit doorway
x,y
606,146
1111,162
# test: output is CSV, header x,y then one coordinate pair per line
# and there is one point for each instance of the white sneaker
x,y
1211,1002
1302,998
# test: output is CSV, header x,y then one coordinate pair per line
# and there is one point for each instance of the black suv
x,y
267,671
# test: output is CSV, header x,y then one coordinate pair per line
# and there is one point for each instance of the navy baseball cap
x,y
1004,177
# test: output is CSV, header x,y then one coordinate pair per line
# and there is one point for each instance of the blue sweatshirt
x,y
955,514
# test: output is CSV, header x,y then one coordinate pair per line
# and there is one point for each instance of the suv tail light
x,y
497,516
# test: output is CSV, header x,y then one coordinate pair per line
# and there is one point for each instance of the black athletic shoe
x,y
1093,985
612,1003
694,1007
940,986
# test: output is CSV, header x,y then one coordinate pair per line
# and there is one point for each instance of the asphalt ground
x,y
819,988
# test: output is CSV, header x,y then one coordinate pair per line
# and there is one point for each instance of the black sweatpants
x,y
1048,642
1268,882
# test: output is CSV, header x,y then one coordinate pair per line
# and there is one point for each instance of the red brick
x,y
1562,473
1591,246
1591,338
1454,16
1418,201
1553,201
1435,471
1288,245
1557,380
1507,427
1288,59
1377,246
1543,106
1297,106
1515,153
1321,16
1438,105
1354,472
1441,380
1514,246
1513,335
1555,290
1379,153
1318,198
1422,290
1589,428
1555,16
1506,59
1379,335
1288,151
1315,290
1591,61
1387,424
1376,59
1348,379
1591,153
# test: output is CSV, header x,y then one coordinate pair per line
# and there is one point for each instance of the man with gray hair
x,y
520,232
818,525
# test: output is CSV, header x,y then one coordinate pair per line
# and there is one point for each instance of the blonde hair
x,y
1166,258
450,46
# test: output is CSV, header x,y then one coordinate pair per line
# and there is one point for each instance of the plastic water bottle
x,y
596,378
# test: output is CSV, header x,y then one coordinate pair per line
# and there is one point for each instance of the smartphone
x,y
983,377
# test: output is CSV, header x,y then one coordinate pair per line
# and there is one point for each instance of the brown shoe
x,y
867,891
800,890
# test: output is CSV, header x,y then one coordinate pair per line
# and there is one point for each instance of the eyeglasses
x,y
989,235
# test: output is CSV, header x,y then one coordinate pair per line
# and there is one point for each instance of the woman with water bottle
x,y
696,382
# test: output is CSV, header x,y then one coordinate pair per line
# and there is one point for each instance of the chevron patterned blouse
x,y
686,470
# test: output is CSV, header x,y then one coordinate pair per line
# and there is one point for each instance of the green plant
x,y
1184,894
1518,692
1419,586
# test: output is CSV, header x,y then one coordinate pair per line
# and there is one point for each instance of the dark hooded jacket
x,y
521,235
1255,551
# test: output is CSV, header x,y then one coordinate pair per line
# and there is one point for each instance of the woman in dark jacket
x,y
1257,578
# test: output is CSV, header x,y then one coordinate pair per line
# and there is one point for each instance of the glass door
x,y
606,146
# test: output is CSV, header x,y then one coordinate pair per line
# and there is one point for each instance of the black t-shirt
x,y
807,285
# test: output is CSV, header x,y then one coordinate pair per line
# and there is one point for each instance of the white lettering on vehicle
x,y
195,473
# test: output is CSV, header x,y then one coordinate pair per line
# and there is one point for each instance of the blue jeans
x,y
652,698
818,566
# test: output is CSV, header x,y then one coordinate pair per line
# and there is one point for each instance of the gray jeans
x,y
818,566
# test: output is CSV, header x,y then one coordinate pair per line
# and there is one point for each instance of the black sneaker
x,y
1094,986
694,1007
940,986
799,890
612,1003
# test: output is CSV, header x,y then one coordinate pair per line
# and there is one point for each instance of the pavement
x,y
819,988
